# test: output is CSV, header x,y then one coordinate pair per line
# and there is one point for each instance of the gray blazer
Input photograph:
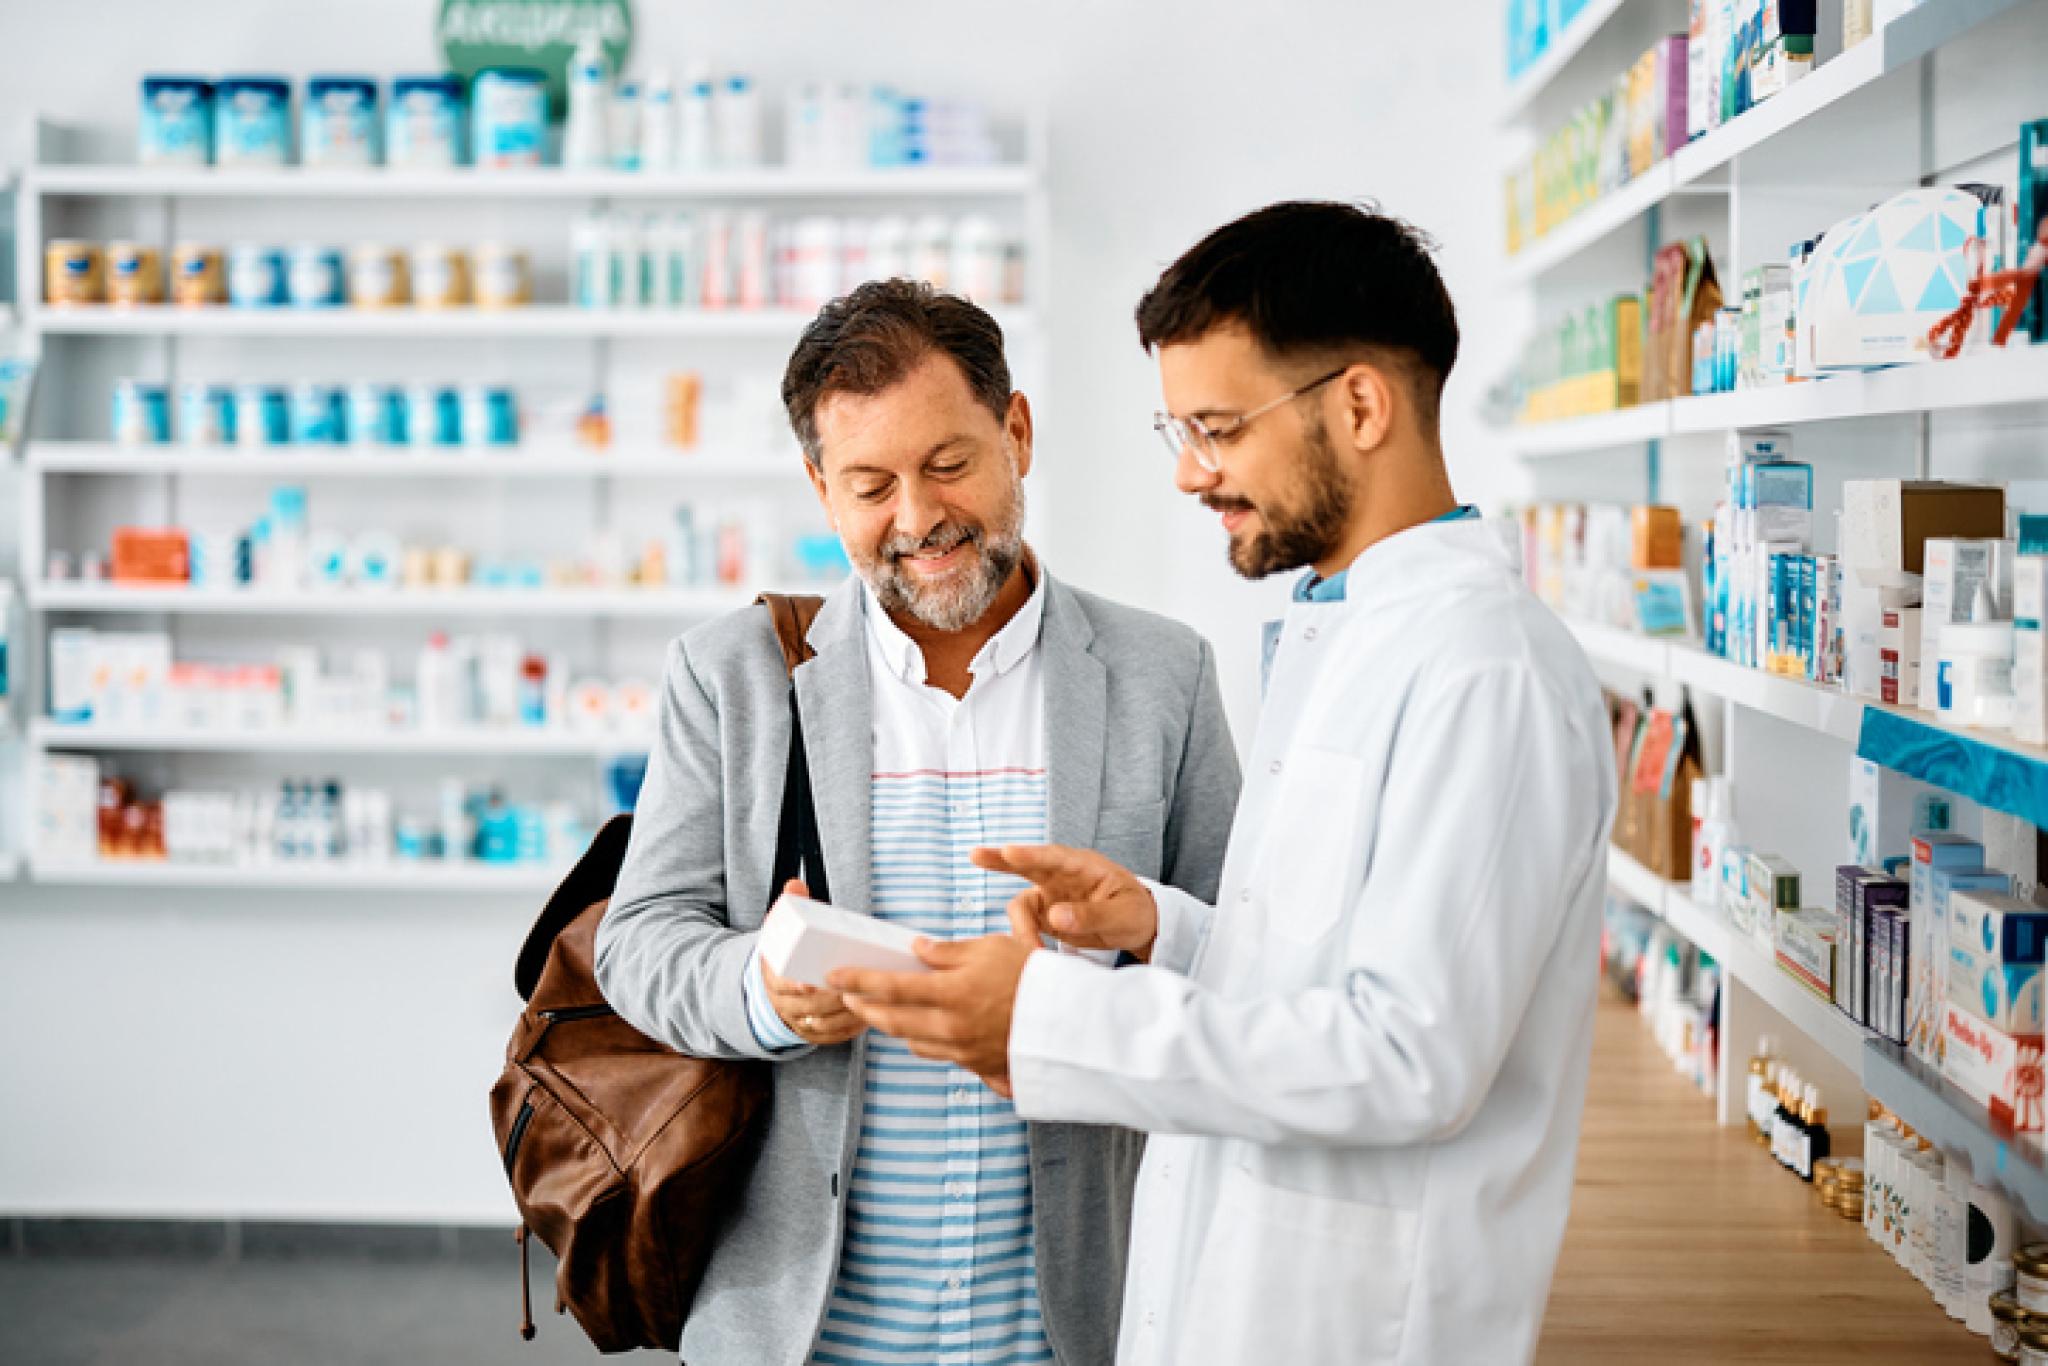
x,y
1141,767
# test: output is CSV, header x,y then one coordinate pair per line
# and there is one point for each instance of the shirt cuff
x,y
770,1031
1048,995
1183,920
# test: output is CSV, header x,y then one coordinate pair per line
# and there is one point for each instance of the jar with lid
x,y
2030,1267
2033,1344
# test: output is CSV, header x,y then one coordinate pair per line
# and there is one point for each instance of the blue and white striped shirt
x,y
938,1263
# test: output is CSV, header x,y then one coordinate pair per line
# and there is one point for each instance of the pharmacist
x,y
1364,1066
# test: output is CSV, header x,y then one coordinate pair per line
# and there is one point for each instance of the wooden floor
x,y
1688,1244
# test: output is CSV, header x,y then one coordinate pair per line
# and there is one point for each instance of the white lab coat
x,y
1363,1070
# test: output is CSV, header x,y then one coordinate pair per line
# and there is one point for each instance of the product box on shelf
x,y
1886,523
67,829
1771,888
2000,1071
1805,943
1998,924
2003,991
2030,633
1683,293
1955,569
1860,892
1885,809
1933,851
1881,280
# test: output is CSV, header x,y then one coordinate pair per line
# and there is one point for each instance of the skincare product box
x,y
1955,569
1998,925
2030,632
2006,996
1999,1071
1805,945
803,940
1933,851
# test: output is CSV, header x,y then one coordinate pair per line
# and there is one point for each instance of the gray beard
x,y
957,606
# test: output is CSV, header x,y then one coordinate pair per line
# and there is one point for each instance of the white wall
x,y
241,1055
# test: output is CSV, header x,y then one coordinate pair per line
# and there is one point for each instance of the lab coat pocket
x,y
1290,1277
1311,840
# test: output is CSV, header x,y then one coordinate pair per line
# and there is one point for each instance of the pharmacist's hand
x,y
817,1015
1078,897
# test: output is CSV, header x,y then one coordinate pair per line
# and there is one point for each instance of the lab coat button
x,y
1308,633
1276,766
1245,896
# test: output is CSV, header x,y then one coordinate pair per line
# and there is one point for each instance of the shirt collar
x,y
1312,589
1004,651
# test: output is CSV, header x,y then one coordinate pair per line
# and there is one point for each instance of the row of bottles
x,y
1785,1114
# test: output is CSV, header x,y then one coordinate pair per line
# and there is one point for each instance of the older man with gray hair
x,y
960,696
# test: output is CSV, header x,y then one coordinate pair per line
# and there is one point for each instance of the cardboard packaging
x,y
1885,808
1805,945
1932,852
1860,892
1898,657
1886,524
1881,280
1657,539
2000,1071
151,555
2030,633
1683,294
1998,925
803,940
1955,569
1945,884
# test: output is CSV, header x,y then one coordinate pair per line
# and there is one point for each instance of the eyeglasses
x,y
1203,440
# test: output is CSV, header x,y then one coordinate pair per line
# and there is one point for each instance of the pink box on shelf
x,y
1997,1070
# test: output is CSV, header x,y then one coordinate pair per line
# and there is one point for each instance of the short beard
x,y
958,605
1304,531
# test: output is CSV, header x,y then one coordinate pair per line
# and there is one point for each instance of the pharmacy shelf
x,y
385,877
1591,225
539,183
295,462
1901,43
1933,1107
1746,960
2014,375
1537,77
1602,431
54,735
660,604
1994,378
1624,649
1989,767
1670,902
526,322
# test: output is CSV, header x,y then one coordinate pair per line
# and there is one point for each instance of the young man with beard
x,y
960,696
1364,1066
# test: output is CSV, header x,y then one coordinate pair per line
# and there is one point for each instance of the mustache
x,y
1222,502
941,538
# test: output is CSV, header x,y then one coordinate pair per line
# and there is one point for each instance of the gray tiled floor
x,y
307,1309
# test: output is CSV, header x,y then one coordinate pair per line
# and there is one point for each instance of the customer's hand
x,y
1077,896
817,1015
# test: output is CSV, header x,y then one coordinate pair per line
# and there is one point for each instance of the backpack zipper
x,y
575,1013
518,1132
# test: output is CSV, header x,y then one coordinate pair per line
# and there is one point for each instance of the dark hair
x,y
870,339
1315,280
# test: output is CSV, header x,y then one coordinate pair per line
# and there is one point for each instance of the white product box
x,y
1999,1071
1885,808
1898,657
67,808
2030,649
1955,569
803,940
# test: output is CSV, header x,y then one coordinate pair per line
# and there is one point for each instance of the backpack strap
x,y
799,849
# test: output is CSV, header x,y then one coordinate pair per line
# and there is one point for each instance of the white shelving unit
x,y
516,879
1567,45
68,477
531,322
1935,97
2015,377
53,736
508,603
300,462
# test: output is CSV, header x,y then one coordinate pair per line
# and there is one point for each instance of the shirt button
x,y
955,1282
962,1094
1308,633
956,1191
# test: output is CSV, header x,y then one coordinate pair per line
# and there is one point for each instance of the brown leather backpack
x,y
625,1155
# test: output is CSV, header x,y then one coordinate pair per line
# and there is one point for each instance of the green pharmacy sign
x,y
543,34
